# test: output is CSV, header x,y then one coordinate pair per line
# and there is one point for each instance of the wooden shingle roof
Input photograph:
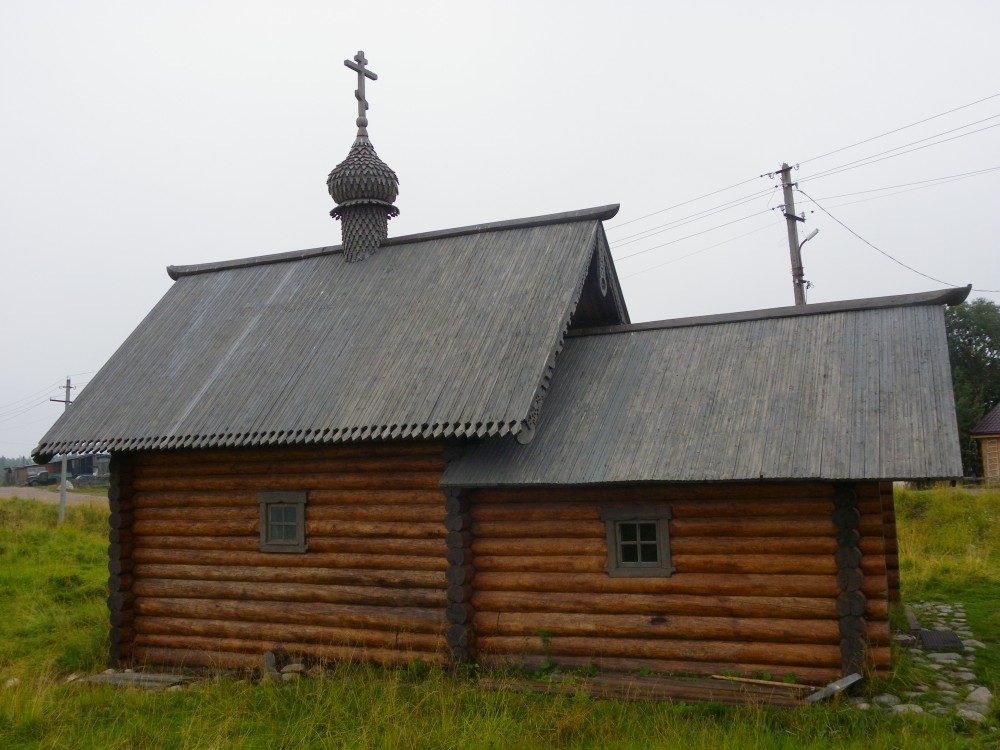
x,y
988,425
450,333
839,391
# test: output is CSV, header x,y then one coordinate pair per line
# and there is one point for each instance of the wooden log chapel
x,y
456,447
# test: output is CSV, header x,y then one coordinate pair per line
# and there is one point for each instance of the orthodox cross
x,y
359,65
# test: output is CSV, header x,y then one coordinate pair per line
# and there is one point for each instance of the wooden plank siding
x,y
370,587
755,587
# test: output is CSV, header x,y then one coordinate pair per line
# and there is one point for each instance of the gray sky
x,y
138,135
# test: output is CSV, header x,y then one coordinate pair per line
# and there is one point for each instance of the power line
x,y
698,252
36,394
678,205
696,234
864,162
942,179
883,252
652,231
904,127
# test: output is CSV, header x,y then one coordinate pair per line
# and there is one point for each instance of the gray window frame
x,y
658,514
296,499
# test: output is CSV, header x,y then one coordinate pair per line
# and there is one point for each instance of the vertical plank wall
x,y
371,585
755,587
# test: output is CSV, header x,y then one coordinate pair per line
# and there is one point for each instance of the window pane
x,y
627,532
647,553
630,553
647,532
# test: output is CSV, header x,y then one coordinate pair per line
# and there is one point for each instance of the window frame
x,y
658,514
296,499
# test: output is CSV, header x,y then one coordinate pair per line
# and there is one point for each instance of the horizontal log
x,y
279,467
892,562
880,656
192,499
875,587
662,648
317,498
540,546
282,453
872,545
568,511
818,565
410,619
273,560
675,604
319,528
723,545
877,609
873,565
401,480
674,627
661,492
772,563
345,576
807,674
892,546
427,512
892,578
878,632
693,583
365,545
779,526
568,563
223,654
290,592
171,628
234,527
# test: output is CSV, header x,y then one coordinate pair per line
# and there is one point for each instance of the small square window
x,y
282,521
638,541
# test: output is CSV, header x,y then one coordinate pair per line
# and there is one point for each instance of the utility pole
x,y
794,248
62,482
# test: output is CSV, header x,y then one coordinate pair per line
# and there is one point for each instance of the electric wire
x,y
698,252
660,229
904,127
678,205
944,179
613,227
29,397
883,252
868,160
689,236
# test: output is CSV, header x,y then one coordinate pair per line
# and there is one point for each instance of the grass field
x,y
53,623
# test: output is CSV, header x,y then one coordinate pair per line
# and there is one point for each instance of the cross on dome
x,y
359,65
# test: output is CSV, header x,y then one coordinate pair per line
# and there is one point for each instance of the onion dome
x,y
362,185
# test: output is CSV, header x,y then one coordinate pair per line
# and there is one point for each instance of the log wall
x,y
197,591
759,570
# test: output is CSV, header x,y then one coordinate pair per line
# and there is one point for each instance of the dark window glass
x,y
637,542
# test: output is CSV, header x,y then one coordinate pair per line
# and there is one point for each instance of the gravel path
x,y
52,496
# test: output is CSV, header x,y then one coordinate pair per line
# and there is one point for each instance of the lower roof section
x,y
856,391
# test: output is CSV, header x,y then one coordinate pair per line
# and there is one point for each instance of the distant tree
x,y
974,346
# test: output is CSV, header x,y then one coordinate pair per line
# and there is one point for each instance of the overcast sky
x,y
135,135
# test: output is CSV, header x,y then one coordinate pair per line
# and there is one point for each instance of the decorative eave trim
x,y
600,213
950,297
314,435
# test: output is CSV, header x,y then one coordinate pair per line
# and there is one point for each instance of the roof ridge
x,y
951,296
598,213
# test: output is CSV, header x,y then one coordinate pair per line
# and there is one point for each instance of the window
x,y
638,541
282,521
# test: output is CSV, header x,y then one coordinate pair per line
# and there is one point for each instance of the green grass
x,y
53,622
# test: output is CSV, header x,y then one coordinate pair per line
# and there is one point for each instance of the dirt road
x,y
52,496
